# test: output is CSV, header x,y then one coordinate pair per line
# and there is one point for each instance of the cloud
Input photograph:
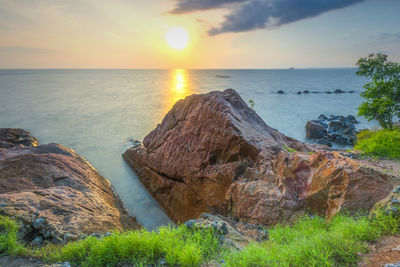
x,y
387,37
260,14
184,6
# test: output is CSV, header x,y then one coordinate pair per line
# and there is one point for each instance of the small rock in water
x,y
306,91
339,91
299,92
328,92
280,92
337,129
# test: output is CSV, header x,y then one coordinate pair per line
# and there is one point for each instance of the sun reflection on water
x,y
179,87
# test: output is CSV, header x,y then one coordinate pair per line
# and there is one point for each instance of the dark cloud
x,y
184,6
387,37
259,14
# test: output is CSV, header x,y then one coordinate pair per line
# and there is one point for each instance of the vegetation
x,y
383,143
382,93
311,241
289,149
252,103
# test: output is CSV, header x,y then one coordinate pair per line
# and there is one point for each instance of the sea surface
x,y
99,112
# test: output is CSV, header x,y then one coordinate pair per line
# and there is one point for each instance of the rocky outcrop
x,y
55,194
212,153
336,129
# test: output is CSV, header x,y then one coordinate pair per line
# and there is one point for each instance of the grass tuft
x,y
379,143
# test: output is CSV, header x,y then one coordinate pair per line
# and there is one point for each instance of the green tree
x,y
382,93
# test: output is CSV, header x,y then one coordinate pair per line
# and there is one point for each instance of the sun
x,y
177,38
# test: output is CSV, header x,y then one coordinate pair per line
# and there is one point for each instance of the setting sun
x,y
177,37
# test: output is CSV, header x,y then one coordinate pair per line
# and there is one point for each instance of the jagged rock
x,y
306,92
212,153
233,233
337,129
12,137
56,194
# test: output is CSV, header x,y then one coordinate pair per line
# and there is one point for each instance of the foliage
x,y
252,103
379,143
9,243
311,241
289,149
382,93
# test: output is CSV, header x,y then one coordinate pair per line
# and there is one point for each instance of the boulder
x,y
212,153
337,129
13,137
280,92
315,130
56,194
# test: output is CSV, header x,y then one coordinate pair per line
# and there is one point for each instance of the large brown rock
x,y
212,153
56,194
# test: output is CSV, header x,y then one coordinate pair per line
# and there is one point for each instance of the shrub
x,y
379,143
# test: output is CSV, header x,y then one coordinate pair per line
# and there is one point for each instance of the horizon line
x,y
288,68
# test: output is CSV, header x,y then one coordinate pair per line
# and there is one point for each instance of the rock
x,y
306,91
233,234
392,264
351,91
337,129
329,182
315,92
38,223
60,264
323,141
37,241
12,137
314,130
328,92
280,92
203,145
212,153
55,193
339,91
299,92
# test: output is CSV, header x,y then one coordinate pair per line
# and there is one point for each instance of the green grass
x,y
379,143
314,242
289,149
311,241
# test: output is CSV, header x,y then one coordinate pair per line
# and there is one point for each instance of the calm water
x,y
97,112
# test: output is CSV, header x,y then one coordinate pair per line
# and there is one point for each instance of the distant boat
x,y
291,68
222,76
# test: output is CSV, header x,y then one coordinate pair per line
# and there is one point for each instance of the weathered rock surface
x,y
336,129
212,153
56,194
234,234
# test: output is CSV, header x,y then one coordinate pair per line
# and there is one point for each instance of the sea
x,y
100,112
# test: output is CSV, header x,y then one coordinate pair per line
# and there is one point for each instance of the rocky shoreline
x,y
212,153
55,194
211,163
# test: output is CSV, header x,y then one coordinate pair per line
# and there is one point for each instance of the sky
x,y
222,33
